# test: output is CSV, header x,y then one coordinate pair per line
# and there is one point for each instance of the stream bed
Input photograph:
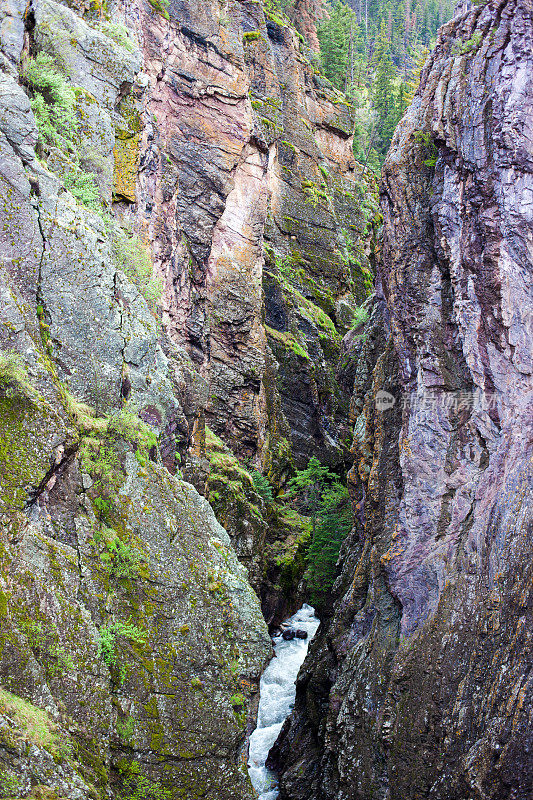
x,y
276,699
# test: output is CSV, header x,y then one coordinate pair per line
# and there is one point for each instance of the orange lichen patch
x,y
126,152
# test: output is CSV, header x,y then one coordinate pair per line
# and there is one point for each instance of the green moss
x,y
274,12
288,341
24,460
126,152
100,457
10,784
14,380
3,604
315,194
36,725
82,415
285,143
251,36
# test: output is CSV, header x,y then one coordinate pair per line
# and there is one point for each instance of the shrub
x,y
360,317
99,459
109,633
84,187
428,145
137,786
121,560
53,104
120,34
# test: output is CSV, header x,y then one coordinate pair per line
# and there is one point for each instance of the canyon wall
x,y
184,240
418,685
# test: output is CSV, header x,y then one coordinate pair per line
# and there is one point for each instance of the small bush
x,y
428,145
108,639
137,786
360,317
119,33
84,187
53,104
121,560
100,460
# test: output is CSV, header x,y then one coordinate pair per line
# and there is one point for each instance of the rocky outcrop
x,y
250,144
418,684
131,642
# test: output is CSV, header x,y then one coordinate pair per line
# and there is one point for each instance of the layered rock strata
x,y
146,154
418,685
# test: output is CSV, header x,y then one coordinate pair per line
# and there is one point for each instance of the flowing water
x,y
276,699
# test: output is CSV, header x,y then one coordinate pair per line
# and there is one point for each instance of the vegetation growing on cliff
x,y
320,493
133,257
53,103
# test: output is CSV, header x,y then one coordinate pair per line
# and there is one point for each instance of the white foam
x,y
276,700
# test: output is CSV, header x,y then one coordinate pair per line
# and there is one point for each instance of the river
x,y
276,700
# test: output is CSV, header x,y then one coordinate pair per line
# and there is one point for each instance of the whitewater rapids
x,y
276,699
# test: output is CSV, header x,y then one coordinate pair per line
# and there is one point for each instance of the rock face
x,y
418,683
182,241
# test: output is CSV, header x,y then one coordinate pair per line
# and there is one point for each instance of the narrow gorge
x,y
242,372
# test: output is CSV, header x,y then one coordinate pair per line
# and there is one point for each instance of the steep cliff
x,y
418,685
184,240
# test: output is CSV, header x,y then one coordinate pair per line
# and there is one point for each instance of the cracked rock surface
x,y
418,685
183,270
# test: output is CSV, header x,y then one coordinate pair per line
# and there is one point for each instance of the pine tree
x,y
412,84
338,39
383,91
333,525
322,496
